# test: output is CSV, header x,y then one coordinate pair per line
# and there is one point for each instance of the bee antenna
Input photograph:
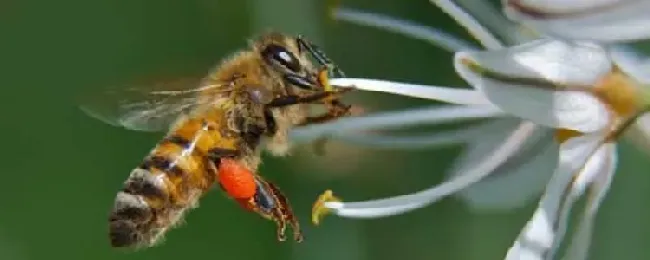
x,y
318,54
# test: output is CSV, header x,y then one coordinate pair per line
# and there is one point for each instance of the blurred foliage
x,y
62,168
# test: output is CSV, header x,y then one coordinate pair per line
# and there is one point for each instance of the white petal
x,y
393,120
631,62
404,203
598,164
593,20
521,80
579,247
525,174
569,63
539,237
444,94
436,37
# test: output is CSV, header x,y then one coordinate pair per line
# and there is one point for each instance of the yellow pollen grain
x,y
323,78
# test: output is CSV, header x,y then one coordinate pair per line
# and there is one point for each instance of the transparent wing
x,y
148,106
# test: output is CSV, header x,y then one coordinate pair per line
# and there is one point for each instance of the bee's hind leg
x,y
270,203
286,211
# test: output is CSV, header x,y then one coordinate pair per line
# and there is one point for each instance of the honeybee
x,y
216,132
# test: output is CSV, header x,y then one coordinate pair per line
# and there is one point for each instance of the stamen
x,y
395,120
377,141
319,211
432,35
488,15
469,23
444,94
400,204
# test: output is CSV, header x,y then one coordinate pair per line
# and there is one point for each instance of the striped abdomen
x,y
170,180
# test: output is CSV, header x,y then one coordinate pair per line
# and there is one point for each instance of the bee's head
x,y
283,53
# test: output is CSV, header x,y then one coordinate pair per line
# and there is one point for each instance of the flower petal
x,y
528,81
579,247
434,36
444,94
559,62
393,120
400,204
597,165
592,20
581,158
525,174
631,62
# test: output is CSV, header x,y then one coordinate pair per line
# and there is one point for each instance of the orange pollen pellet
x,y
236,180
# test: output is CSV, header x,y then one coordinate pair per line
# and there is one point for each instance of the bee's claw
x,y
281,236
297,235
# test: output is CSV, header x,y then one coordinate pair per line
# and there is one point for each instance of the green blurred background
x,y
61,168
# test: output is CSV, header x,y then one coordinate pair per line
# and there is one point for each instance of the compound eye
x,y
280,55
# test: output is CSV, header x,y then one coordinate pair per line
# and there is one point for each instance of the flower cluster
x,y
557,75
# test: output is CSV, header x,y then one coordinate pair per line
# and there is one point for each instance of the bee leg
x,y
275,202
287,212
269,120
307,99
335,110
271,204
270,214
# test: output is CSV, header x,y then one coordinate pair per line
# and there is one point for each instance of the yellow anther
x,y
332,6
324,80
319,211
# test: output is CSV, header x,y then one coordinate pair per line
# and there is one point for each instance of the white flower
x,y
587,93
593,20
471,104
522,80
541,79
584,161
